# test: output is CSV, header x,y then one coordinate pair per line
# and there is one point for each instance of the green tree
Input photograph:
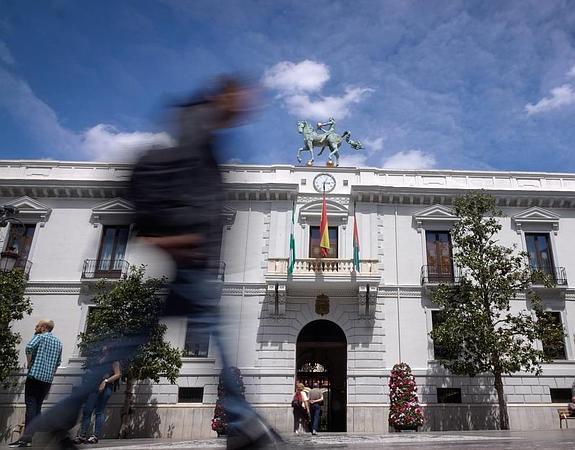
x,y
125,308
478,330
13,306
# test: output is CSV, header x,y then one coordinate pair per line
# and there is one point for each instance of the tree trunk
x,y
503,414
127,409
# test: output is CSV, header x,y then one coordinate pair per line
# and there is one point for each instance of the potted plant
x,y
220,420
405,413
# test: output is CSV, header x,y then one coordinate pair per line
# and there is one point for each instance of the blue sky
x,y
423,84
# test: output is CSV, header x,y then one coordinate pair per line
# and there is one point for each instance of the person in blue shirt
x,y
43,356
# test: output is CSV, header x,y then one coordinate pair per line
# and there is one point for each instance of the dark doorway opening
x,y
321,357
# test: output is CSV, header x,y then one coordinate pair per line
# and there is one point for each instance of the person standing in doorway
x,y
315,402
43,356
300,409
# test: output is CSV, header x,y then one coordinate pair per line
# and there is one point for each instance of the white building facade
x,y
326,322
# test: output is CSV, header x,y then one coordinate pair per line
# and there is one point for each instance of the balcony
x,y
322,266
104,268
9,261
557,275
436,275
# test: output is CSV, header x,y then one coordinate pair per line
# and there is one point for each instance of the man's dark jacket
x,y
178,190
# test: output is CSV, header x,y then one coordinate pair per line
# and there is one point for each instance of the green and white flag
x,y
291,262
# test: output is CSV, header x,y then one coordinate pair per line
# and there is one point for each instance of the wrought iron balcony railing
x,y
104,268
558,275
439,275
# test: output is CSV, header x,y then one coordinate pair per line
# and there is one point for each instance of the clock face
x,y
324,182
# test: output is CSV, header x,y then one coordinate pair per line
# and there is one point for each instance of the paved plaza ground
x,y
469,440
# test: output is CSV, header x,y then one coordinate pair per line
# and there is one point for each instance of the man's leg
x,y
100,410
195,293
316,413
31,401
87,414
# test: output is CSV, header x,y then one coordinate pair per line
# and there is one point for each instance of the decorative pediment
x,y
538,217
311,212
113,212
436,214
30,210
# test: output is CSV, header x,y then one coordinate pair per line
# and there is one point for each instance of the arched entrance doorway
x,y
321,356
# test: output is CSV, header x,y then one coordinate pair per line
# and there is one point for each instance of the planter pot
x,y
405,429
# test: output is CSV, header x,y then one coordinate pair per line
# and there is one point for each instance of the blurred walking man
x,y
43,355
177,193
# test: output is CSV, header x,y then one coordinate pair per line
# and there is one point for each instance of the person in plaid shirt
x,y
43,354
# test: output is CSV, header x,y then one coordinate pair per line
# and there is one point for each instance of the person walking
x,y
315,402
43,356
178,199
300,408
96,404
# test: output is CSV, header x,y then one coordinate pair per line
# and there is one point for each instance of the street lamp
x,y
9,257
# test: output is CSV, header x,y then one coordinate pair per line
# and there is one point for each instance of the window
x,y
555,351
112,250
448,395
439,256
197,343
439,352
190,395
539,251
560,395
314,241
19,242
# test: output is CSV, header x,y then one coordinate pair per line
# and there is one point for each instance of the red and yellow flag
x,y
324,231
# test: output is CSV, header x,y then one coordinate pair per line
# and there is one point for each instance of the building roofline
x,y
229,167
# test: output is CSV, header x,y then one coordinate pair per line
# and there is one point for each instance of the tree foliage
x,y
478,329
131,307
13,306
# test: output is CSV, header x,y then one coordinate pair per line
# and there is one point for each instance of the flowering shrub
x,y
220,420
404,411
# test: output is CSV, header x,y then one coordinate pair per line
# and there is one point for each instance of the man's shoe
x,y
19,444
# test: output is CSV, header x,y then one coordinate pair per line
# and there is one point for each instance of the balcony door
x,y
112,250
539,251
315,240
20,242
439,256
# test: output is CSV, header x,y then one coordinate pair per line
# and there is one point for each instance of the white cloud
x,y
353,160
560,97
105,142
303,105
410,159
375,144
299,86
571,72
305,76
101,142
5,55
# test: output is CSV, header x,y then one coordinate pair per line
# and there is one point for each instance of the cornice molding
x,y
53,288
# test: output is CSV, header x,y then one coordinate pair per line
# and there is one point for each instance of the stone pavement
x,y
469,440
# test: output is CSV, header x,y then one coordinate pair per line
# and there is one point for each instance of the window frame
x,y
337,239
